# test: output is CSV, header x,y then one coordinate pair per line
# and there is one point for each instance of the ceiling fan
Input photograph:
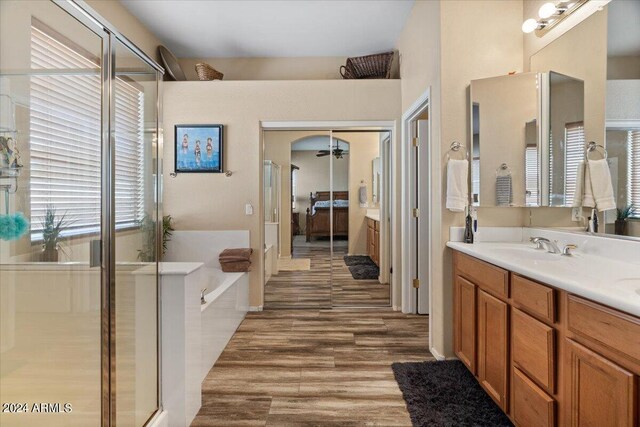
x,y
337,152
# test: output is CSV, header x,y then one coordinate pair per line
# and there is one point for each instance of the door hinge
x,y
415,142
416,283
415,212
391,270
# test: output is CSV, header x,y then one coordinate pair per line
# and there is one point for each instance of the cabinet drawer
x,y
487,276
531,405
534,298
533,348
618,331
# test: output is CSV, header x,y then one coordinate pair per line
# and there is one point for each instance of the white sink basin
x,y
527,253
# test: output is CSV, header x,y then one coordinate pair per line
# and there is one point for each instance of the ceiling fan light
x,y
547,10
529,25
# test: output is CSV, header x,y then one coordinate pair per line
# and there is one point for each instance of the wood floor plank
x,y
314,368
328,282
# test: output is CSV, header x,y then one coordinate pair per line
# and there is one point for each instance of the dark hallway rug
x,y
362,267
364,272
352,260
445,393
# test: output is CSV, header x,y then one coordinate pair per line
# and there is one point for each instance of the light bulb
x,y
547,10
529,25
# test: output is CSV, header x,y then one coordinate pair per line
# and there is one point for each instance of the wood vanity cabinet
x,y
546,357
373,240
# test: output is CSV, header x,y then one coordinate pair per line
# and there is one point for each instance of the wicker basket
x,y
207,72
376,66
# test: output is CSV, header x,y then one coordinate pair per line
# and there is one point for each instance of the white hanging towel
x,y
457,185
362,195
587,200
601,185
578,196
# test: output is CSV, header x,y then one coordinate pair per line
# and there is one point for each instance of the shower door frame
x,y
109,34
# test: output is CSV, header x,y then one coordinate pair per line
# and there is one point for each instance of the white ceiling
x,y
623,37
273,28
315,143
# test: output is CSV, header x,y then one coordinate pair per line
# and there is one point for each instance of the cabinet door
x,y
465,322
492,347
602,393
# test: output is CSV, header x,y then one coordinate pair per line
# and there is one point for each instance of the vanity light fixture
x,y
550,15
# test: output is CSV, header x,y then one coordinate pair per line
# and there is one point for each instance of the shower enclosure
x,y
80,174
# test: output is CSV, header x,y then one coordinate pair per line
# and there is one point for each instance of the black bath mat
x,y
365,272
358,260
446,394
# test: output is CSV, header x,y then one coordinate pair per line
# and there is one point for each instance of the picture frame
x,y
199,148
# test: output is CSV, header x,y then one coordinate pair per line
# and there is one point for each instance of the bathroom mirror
x,y
504,117
564,139
604,53
526,136
375,190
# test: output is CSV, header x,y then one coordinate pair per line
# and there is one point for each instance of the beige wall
x,y
623,67
241,106
468,29
444,46
278,68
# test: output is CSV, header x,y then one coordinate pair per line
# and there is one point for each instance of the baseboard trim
x,y
436,354
255,308
397,308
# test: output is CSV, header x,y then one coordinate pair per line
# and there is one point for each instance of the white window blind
x,y
633,175
574,154
294,188
475,179
65,140
531,173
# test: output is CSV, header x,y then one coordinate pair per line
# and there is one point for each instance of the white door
x,y
423,176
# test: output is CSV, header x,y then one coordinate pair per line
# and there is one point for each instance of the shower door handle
x,y
95,253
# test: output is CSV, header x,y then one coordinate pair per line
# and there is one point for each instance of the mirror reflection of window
x,y
633,165
574,154
531,163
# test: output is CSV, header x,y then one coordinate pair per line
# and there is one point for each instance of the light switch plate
x,y
248,209
576,214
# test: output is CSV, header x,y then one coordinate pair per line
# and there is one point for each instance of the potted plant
x,y
52,227
621,219
148,226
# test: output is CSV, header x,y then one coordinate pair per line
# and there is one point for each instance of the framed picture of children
x,y
198,148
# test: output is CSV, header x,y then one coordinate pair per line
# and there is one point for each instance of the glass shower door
x,y
52,73
134,137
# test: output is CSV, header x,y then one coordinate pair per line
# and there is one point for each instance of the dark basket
x,y
376,66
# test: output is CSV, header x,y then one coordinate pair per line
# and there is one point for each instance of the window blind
x,y
475,179
574,154
633,175
531,173
65,140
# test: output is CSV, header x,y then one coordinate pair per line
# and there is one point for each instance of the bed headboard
x,y
325,195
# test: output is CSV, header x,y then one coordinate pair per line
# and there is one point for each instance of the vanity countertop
x,y
604,280
373,216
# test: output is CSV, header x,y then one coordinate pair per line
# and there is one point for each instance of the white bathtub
x,y
195,334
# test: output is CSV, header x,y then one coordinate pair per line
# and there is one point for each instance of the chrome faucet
x,y
566,251
544,243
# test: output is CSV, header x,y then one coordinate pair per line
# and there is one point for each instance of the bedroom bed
x,y
318,214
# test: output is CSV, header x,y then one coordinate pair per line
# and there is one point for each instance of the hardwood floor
x,y
314,368
328,283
